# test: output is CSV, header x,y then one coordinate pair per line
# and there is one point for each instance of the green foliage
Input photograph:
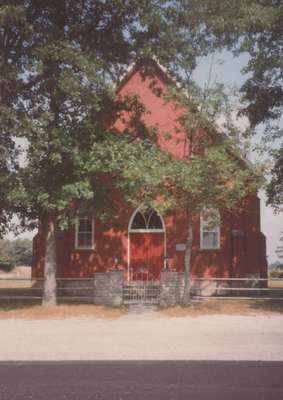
x,y
22,251
6,263
279,249
16,252
254,27
216,169
61,60
277,272
212,176
275,186
12,26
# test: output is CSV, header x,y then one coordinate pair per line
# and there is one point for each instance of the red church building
x,y
144,243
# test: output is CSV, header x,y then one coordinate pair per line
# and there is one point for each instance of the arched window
x,y
148,220
210,229
84,231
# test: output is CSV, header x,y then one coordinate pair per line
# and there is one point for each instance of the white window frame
x,y
217,230
77,247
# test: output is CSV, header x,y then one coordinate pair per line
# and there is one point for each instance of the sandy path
x,y
147,336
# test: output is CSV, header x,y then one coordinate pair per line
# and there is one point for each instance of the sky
x,y
227,70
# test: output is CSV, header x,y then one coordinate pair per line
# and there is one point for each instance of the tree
x,y
275,186
279,249
253,27
13,28
277,268
6,255
211,180
16,252
213,176
65,56
22,251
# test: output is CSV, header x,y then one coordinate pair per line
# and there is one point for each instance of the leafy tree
x,y
213,176
64,57
275,187
6,255
22,251
253,27
276,268
279,249
15,252
12,29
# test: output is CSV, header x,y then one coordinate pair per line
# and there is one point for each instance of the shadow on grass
x,y
225,307
267,305
11,305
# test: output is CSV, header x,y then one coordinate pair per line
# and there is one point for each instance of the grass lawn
x,y
275,283
226,307
19,277
33,310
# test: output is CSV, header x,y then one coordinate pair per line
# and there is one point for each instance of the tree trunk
x,y
188,255
49,288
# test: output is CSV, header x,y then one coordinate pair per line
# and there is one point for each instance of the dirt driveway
x,y
144,336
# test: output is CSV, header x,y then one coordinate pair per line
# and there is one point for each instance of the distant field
x,y
275,283
19,277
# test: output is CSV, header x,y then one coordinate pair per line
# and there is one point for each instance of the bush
x,y
277,272
16,252
22,251
6,264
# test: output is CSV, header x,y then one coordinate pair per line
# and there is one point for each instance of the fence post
x,y
169,288
108,288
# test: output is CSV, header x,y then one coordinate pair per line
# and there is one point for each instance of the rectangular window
x,y
210,230
85,232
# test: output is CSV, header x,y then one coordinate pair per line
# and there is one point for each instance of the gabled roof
x,y
163,71
145,61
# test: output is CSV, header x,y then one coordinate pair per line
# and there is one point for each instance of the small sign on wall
x,y
180,247
237,233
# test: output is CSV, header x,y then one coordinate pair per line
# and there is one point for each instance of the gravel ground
x,y
144,336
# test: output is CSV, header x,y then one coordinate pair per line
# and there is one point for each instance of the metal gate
x,y
141,292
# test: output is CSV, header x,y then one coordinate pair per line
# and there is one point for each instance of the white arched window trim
x,y
209,235
139,210
80,231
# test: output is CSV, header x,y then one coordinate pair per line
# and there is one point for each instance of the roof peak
x,y
140,62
